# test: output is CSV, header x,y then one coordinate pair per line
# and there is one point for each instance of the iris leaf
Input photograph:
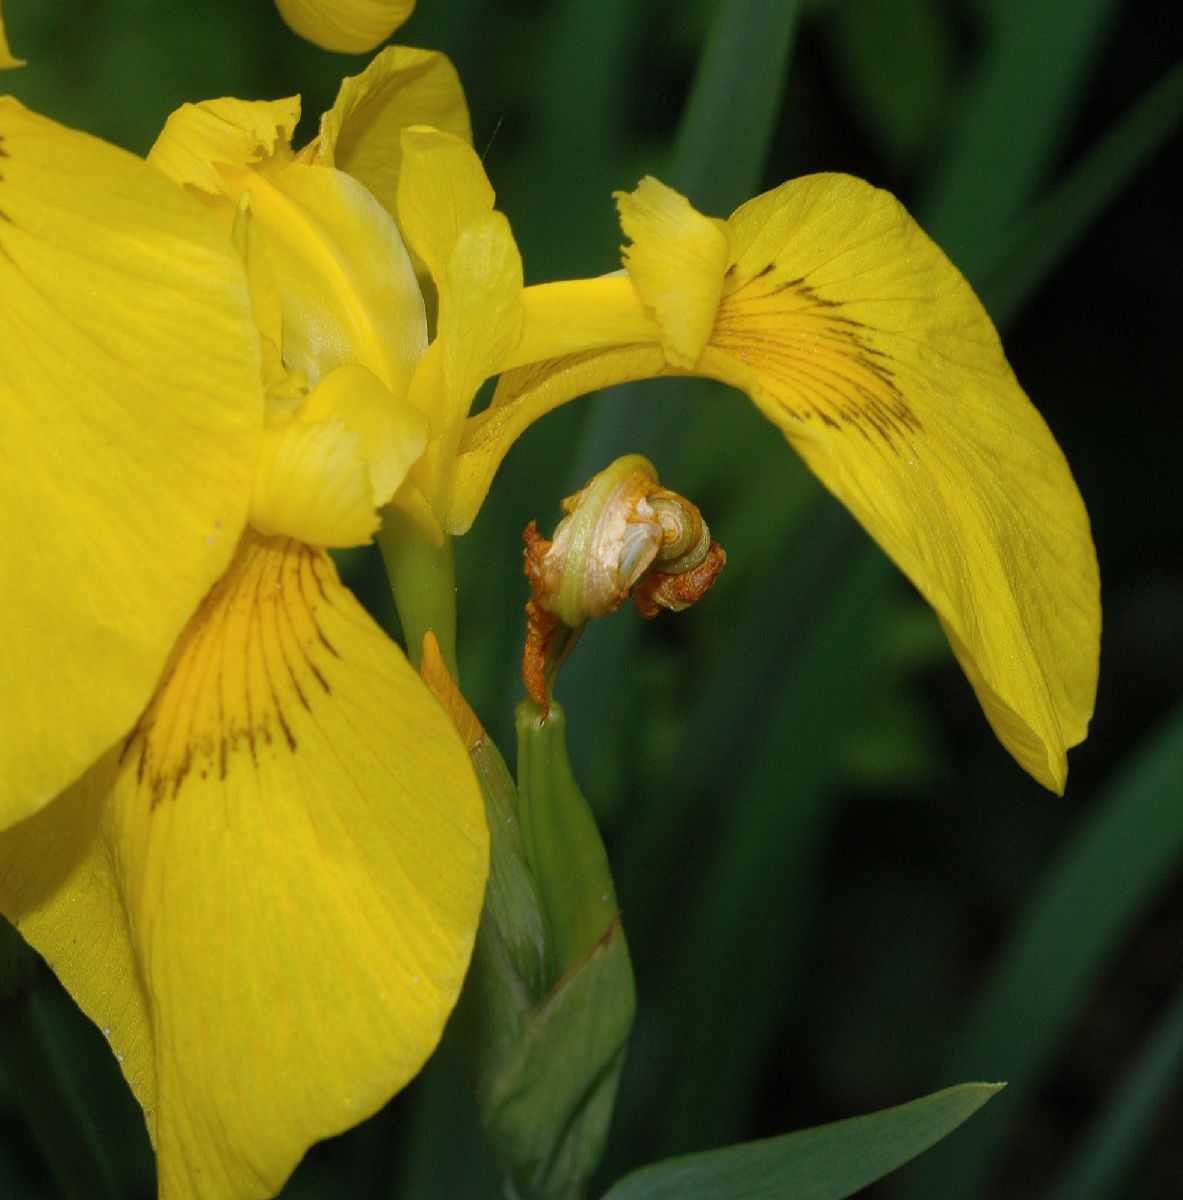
x,y
1063,941
1012,119
1110,1147
825,1163
1053,226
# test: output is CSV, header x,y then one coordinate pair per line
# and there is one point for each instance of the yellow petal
x,y
348,291
7,58
313,482
443,190
854,334
401,87
677,259
446,211
322,476
350,26
296,841
284,387
392,431
858,338
130,413
525,394
197,139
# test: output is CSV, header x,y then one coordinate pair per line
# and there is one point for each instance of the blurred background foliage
x,y
839,891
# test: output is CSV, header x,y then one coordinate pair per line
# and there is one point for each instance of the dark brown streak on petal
x,y
312,562
253,647
308,566
817,362
279,604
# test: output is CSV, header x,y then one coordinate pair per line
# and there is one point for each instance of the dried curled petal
x,y
624,535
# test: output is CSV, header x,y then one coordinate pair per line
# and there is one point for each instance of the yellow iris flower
x,y
235,822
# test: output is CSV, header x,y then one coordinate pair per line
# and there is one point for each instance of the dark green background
x,y
821,852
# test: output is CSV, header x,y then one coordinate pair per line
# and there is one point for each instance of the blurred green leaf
x,y
1049,231
1012,119
743,916
897,62
55,1114
728,122
1132,841
1110,1146
826,1163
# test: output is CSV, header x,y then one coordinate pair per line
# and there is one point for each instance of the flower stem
x,y
422,577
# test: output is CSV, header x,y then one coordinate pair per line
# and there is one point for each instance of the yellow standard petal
x,y
446,212
348,291
360,134
350,26
197,139
861,342
130,415
295,783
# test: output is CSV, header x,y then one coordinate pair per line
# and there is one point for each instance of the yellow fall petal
x,y
130,414
197,139
295,783
854,334
349,26
525,394
360,134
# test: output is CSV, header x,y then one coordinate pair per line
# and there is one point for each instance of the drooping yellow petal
x,y
348,290
360,134
350,26
446,211
284,867
854,334
7,58
322,476
130,415
197,139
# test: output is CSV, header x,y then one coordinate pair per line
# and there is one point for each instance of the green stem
x,y
57,1120
422,577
